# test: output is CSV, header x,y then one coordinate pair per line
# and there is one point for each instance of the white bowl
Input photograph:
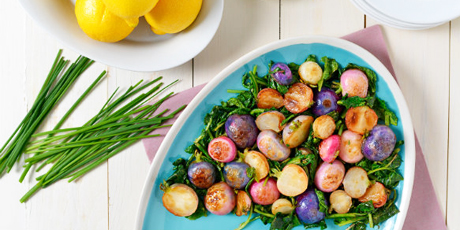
x,y
142,50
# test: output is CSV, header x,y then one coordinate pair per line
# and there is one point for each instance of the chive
x,y
56,84
76,151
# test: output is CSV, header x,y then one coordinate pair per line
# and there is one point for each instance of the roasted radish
x,y
292,180
180,199
361,119
220,199
259,162
298,98
270,120
323,126
296,132
269,98
356,182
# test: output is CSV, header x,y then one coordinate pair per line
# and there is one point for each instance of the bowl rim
x,y
405,118
42,21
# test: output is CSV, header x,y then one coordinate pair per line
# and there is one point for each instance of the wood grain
x,y
453,189
107,197
421,63
246,25
325,17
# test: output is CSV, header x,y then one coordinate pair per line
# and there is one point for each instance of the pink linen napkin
x,y
424,211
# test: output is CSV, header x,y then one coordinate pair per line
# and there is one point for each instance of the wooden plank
x,y
13,107
28,53
325,17
245,25
127,170
421,63
453,188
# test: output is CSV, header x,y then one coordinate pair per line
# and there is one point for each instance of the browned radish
x,y
270,120
180,200
269,98
259,162
292,181
282,205
377,194
361,119
243,203
297,130
323,126
298,98
340,201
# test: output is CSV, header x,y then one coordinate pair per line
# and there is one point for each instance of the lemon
x,y
173,16
130,10
99,23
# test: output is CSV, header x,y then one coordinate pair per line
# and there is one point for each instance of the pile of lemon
x,y
113,20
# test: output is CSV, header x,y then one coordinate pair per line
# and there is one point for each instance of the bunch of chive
x,y
72,152
75,151
56,85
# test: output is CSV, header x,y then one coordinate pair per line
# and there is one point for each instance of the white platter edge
x,y
409,141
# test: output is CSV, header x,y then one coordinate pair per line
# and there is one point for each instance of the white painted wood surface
x,y
425,63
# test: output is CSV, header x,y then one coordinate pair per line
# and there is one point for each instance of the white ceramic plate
x,y
152,214
386,20
418,11
142,50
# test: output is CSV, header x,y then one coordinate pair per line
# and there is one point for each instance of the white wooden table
x,y
426,63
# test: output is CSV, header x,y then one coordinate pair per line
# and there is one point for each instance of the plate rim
x,y
409,139
53,31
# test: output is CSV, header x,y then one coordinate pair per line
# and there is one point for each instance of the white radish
x,y
270,120
292,180
296,132
269,98
376,193
259,162
283,206
310,72
180,200
356,182
324,126
243,203
340,201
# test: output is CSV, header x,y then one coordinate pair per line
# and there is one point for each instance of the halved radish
x,y
298,98
259,162
340,201
361,119
243,203
269,98
350,147
292,181
324,126
270,120
377,194
282,205
180,200
222,149
356,182
296,132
